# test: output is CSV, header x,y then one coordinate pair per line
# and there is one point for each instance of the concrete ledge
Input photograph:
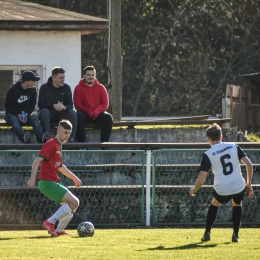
x,y
166,135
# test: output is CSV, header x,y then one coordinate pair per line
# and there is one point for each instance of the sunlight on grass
x,y
144,127
131,244
29,128
26,128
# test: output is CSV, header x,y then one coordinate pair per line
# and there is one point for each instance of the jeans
x,y
104,120
47,116
17,126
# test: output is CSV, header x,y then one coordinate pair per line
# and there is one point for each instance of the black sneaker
x,y
46,136
206,237
27,138
235,238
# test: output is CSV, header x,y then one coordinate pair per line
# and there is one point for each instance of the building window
x,y
10,74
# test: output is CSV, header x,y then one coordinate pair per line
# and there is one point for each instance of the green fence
x,y
112,192
120,188
175,171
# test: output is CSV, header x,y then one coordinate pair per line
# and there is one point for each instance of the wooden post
x,y
115,59
226,110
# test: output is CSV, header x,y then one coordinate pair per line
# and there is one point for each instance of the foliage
x,y
179,55
130,243
202,46
253,138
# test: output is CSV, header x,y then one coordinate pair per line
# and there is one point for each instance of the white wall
x,y
45,48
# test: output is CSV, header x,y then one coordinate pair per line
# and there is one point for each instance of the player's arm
x,y
249,171
205,166
35,167
65,171
200,181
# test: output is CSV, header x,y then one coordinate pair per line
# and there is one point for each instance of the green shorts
x,y
52,190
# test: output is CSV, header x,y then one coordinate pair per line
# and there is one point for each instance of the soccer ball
x,y
86,229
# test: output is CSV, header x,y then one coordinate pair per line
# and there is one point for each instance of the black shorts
x,y
237,198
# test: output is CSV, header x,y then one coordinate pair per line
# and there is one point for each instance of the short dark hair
x,y
66,124
88,68
214,132
56,70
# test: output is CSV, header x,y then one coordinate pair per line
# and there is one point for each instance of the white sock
x,y
60,213
64,222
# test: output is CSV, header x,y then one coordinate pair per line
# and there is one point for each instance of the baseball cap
x,y
29,75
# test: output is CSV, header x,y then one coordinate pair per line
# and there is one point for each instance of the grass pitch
x,y
124,244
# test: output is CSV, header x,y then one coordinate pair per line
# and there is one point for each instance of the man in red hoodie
x,y
91,102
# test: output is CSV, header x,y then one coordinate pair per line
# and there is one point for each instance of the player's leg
x,y
65,213
237,214
63,224
59,193
70,204
211,216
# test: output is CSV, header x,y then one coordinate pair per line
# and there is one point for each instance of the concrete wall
x,y
185,135
43,48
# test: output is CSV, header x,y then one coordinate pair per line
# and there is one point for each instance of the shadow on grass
x,y
184,247
41,237
35,237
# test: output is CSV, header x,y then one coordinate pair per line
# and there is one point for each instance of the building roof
x,y
20,15
253,78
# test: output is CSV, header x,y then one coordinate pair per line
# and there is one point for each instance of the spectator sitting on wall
x,y
91,102
55,102
21,97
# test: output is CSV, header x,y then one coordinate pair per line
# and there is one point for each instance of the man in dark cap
x,y
19,104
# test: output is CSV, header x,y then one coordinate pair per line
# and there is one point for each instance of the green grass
x,y
124,244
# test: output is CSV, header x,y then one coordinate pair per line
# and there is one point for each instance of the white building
x,y
38,38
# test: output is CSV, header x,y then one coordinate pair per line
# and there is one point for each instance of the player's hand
x,y
249,191
30,183
192,193
77,182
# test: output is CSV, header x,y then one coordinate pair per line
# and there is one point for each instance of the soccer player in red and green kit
x,y
50,160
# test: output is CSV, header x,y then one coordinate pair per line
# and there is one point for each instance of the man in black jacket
x,y
55,102
21,97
